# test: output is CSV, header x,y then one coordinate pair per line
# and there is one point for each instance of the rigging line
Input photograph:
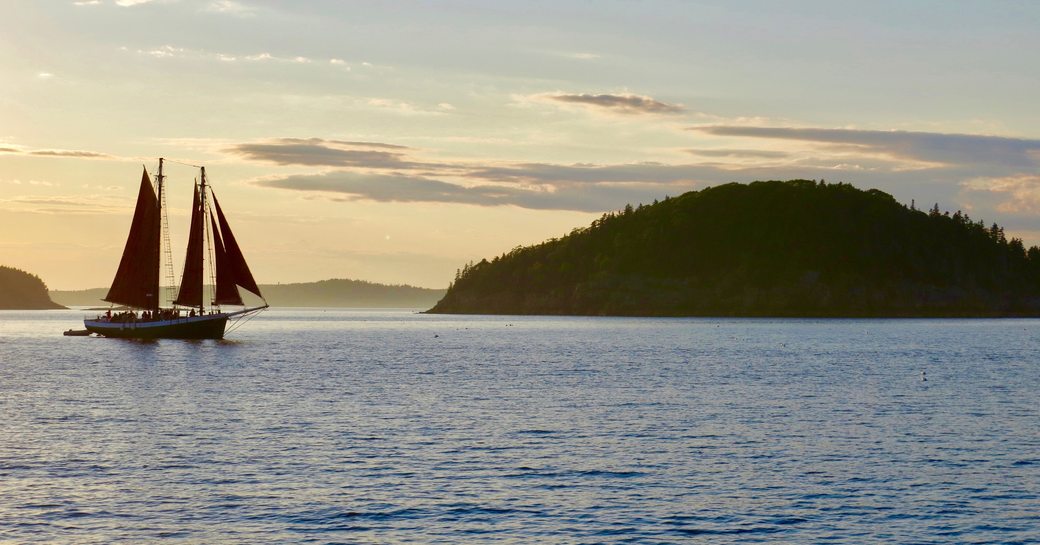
x,y
182,163
242,320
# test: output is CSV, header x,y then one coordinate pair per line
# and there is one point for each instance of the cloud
x,y
739,153
165,51
354,155
168,51
42,183
388,173
320,152
59,204
1005,153
71,153
353,186
603,187
230,7
1014,194
557,175
384,172
131,3
623,104
380,145
79,154
404,107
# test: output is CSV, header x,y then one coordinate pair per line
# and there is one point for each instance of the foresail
x,y
236,261
190,294
226,291
137,280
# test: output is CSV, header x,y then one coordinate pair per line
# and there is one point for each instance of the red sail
x,y
191,283
227,292
137,280
236,261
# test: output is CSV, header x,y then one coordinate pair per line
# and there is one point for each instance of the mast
x,y
205,238
157,298
165,249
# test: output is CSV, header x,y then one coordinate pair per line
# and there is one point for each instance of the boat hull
x,y
194,327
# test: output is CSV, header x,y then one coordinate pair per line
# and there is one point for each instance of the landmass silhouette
x,y
20,290
773,248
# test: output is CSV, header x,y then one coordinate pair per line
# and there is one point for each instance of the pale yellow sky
x,y
395,141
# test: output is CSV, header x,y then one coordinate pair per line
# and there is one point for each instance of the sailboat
x,y
136,284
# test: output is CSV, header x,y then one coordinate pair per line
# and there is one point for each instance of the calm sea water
x,y
310,426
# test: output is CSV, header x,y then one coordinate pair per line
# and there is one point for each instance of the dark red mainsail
x,y
226,292
137,280
236,262
190,294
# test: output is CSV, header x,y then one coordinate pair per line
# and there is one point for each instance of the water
x,y
318,426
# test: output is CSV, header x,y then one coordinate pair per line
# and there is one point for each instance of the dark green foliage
x,y
795,248
21,290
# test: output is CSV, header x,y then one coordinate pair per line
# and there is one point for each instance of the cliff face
x,y
23,291
796,248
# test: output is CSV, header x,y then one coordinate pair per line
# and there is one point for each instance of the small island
x,y
796,248
20,290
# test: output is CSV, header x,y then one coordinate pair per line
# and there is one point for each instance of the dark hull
x,y
196,327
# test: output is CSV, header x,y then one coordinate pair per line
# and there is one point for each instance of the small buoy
x,y
435,335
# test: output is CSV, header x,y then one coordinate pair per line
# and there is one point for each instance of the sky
x,y
395,141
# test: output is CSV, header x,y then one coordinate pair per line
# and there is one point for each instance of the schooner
x,y
136,284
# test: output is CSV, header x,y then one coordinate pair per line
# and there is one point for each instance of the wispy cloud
x,y
230,7
353,186
320,152
938,148
78,154
71,153
168,51
627,104
390,173
1014,194
61,204
40,183
406,108
738,153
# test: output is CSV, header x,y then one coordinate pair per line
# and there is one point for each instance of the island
x,y
797,248
20,290
337,292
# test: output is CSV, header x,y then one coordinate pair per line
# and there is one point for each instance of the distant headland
x,y
326,293
776,248
20,290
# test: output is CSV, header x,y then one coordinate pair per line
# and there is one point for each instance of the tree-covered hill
x,y
795,248
342,292
23,291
